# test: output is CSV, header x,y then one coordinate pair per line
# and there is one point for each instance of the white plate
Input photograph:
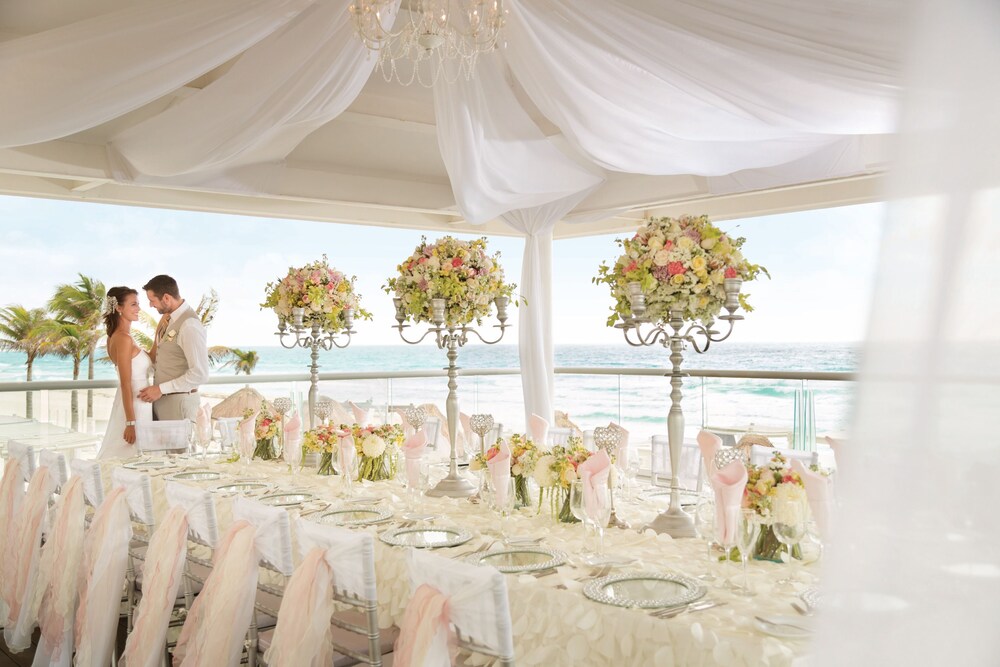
x,y
784,627
154,464
197,476
356,515
426,538
286,499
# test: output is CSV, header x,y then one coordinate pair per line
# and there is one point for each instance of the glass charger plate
x,y
155,464
426,538
646,590
197,476
520,559
242,486
286,499
357,515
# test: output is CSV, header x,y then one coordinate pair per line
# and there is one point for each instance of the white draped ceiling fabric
x,y
741,92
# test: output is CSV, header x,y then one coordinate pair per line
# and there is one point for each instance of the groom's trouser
x,y
176,406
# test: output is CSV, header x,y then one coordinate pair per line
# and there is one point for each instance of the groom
x,y
180,353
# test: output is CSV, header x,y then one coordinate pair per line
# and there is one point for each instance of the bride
x,y
133,364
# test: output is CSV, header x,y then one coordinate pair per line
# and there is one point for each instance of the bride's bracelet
x,y
131,423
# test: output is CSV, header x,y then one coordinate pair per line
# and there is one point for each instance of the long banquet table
x,y
553,623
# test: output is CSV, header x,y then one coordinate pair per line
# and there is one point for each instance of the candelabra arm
x,y
294,344
432,330
467,330
643,341
347,341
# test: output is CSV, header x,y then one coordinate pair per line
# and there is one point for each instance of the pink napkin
x,y
538,427
819,491
203,424
360,416
709,444
346,452
594,473
729,484
499,467
623,449
293,429
413,450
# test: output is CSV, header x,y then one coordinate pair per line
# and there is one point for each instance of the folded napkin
x,y
538,428
360,415
594,473
499,467
246,429
729,483
293,429
203,425
819,491
709,444
413,450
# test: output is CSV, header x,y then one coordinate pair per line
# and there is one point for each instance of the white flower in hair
x,y
110,303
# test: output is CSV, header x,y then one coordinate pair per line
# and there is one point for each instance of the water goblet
x,y
346,466
747,529
789,534
503,504
292,454
596,513
576,507
417,475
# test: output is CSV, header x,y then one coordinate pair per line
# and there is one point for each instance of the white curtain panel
x,y
279,91
83,74
913,569
637,91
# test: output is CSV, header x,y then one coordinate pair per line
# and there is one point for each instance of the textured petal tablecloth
x,y
554,624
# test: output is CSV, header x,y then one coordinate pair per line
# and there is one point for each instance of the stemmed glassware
x,y
292,453
282,405
789,534
480,425
502,503
747,529
727,538
597,515
609,438
704,525
346,466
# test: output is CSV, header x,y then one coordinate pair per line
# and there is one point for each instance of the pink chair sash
x,y
11,495
104,561
424,633
729,483
594,472
303,631
162,572
60,569
220,616
538,428
19,590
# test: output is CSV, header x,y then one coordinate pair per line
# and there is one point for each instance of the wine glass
x,y
747,529
576,507
789,534
632,474
503,503
725,535
416,485
292,453
704,525
597,513
346,464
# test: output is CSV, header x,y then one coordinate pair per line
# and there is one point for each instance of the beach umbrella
x,y
237,403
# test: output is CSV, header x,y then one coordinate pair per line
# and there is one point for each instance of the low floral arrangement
x,y
459,271
377,448
324,293
555,472
266,429
523,455
681,264
324,439
778,495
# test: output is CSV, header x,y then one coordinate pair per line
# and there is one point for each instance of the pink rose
x,y
675,268
631,267
731,273
457,262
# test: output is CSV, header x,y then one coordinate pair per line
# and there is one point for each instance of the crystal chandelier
x,y
440,38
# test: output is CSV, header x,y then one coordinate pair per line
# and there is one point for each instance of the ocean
x,y
638,402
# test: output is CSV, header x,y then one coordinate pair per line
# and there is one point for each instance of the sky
x,y
822,264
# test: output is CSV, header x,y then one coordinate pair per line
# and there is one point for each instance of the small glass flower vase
x,y
522,492
326,464
265,450
376,468
769,548
565,514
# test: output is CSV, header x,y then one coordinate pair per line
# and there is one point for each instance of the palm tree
x,y
242,361
82,304
23,330
68,339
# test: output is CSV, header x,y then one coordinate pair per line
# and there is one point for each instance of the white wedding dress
x,y
114,445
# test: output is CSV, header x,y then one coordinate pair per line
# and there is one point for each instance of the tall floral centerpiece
x,y
377,448
324,439
672,272
266,431
555,472
450,284
316,306
523,455
778,495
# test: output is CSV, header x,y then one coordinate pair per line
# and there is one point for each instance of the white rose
x,y
433,263
517,469
661,258
655,242
709,243
685,243
373,446
543,471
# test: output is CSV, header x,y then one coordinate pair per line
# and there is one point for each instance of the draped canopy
x,y
593,110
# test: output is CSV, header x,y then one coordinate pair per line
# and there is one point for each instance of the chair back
x,y
479,610
25,453
760,455
350,554
274,533
56,463
93,483
559,435
198,504
432,427
228,435
173,435
138,494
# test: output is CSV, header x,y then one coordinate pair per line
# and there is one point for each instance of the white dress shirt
x,y
194,342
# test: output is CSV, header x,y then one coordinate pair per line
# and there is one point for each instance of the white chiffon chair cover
x,y
469,597
138,493
199,508
24,453
89,473
162,571
104,562
273,539
163,436
334,557
59,585
559,435
11,497
56,463
729,483
19,586
217,623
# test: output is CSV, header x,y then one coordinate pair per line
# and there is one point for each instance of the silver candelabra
x,y
674,521
451,337
310,333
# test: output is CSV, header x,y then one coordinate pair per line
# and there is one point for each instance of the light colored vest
x,y
170,360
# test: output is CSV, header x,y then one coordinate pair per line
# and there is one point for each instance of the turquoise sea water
x,y
640,403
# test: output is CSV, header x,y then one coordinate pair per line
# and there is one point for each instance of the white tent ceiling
x,y
380,163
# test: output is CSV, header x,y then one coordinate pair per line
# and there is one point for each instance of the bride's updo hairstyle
x,y
115,297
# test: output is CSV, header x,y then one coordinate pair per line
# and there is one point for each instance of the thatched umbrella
x,y
236,404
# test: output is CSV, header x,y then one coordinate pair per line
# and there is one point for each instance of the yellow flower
x,y
698,263
678,279
568,475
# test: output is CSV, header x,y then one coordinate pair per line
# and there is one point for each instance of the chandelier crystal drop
x,y
437,38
